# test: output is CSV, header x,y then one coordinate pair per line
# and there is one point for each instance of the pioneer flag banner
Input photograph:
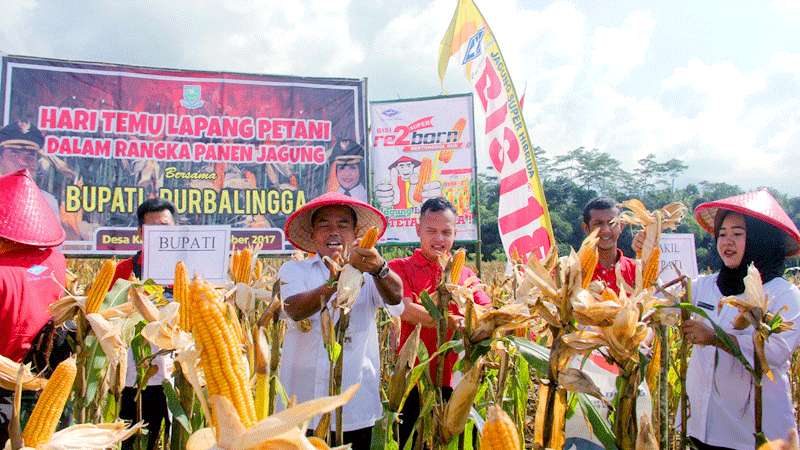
x,y
523,218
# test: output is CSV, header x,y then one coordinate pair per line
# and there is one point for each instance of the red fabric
x,y
419,274
124,270
26,290
609,274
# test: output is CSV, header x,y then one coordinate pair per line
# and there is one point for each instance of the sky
x,y
713,83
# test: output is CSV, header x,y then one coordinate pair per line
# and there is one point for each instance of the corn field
x,y
521,358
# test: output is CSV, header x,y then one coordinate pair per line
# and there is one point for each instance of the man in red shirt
x,y
600,213
422,272
32,273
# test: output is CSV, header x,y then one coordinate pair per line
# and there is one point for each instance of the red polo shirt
x,y
609,274
26,290
420,274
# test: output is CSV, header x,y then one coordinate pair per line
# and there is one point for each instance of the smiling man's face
x,y
609,229
333,229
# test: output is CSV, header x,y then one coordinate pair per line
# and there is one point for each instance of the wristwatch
x,y
383,272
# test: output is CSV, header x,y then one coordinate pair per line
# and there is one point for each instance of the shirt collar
x,y
421,261
616,260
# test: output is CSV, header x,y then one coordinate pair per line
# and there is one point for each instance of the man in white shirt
x,y
329,226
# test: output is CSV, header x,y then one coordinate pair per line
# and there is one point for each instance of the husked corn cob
x,y
220,350
180,292
499,432
588,257
48,409
459,259
99,288
424,177
650,269
370,238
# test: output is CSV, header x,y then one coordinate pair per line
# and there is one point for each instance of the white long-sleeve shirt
x,y
721,391
304,364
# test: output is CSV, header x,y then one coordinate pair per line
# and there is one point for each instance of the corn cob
x,y
220,350
259,270
424,178
180,292
318,443
370,238
588,257
446,155
459,259
650,270
262,379
48,409
99,288
499,432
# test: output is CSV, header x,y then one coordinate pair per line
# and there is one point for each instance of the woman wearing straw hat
x,y
328,226
749,229
32,272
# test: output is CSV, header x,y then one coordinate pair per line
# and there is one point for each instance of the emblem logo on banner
x,y
191,97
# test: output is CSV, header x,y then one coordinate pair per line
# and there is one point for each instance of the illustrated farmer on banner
x,y
404,175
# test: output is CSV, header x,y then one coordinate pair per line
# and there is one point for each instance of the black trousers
x,y
410,413
154,411
358,439
701,446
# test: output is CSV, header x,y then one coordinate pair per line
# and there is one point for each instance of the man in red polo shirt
x,y
422,272
600,213
32,273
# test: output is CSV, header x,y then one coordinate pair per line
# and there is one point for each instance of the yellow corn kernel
x,y
370,238
425,172
48,409
499,432
220,350
180,292
459,259
99,288
650,270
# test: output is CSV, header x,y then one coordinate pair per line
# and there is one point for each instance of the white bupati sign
x,y
419,149
203,248
677,251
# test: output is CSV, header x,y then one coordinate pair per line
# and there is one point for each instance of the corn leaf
x,y
174,405
431,307
600,426
537,356
723,337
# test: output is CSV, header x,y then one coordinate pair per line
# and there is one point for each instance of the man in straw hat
x,y
328,226
32,274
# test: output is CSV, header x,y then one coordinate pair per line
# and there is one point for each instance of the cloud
x,y
592,78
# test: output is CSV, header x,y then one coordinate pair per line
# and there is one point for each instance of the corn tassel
x,y
99,288
459,259
47,412
650,270
424,177
180,292
499,432
220,351
370,238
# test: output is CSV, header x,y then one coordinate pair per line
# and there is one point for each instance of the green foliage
x,y
572,179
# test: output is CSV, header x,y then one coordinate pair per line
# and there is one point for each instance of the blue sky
x,y
714,83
